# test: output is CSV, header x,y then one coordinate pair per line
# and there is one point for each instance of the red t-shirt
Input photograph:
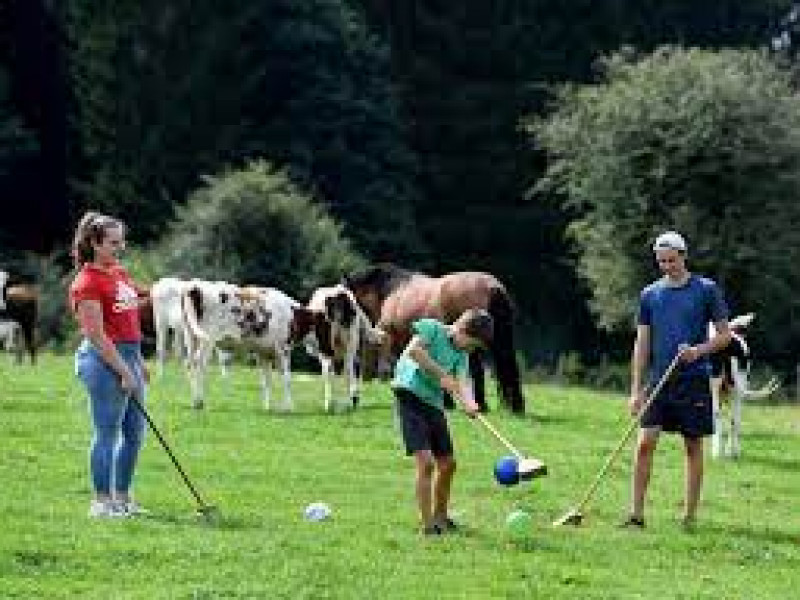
x,y
114,290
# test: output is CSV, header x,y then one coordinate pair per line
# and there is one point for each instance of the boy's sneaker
x,y
105,510
447,525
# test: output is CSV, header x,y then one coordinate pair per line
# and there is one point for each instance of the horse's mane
x,y
383,277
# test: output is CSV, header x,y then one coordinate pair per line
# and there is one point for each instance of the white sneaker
x,y
105,510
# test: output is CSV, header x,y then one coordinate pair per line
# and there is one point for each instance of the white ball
x,y
317,511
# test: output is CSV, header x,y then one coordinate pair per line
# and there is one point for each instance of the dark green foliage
x,y
17,142
704,142
169,91
253,226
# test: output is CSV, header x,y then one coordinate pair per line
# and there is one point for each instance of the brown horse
x,y
393,298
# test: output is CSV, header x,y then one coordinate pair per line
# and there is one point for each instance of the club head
x,y
209,514
530,468
572,517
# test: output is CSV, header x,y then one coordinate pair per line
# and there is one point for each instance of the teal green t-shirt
x,y
408,374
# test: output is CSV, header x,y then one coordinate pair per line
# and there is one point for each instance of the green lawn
x,y
263,469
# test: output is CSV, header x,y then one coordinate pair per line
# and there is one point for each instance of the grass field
x,y
263,469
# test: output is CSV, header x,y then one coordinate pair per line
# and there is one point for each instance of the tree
x,y
704,142
167,91
255,226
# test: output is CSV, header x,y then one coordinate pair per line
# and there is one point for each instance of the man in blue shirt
x,y
674,313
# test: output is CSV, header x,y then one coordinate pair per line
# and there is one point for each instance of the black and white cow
x,y
342,327
731,380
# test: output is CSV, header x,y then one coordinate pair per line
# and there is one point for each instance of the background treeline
x,y
417,131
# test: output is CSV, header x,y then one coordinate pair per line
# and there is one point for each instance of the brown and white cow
x,y
263,321
271,323
341,332
730,381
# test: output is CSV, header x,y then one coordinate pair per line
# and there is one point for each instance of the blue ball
x,y
506,471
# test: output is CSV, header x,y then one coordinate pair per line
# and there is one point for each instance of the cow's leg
x,y
198,368
224,357
162,333
263,364
716,440
352,376
736,421
284,357
326,365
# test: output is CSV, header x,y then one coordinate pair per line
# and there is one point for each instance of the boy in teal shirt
x,y
435,362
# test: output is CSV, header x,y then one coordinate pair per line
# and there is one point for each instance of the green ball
x,y
519,525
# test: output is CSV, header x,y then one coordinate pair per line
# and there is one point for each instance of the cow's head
x,y
251,316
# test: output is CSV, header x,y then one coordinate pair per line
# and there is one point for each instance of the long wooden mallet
x,y
206,511
527,468
575,515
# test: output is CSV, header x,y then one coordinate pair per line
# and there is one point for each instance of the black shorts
x,y
424,427
683,406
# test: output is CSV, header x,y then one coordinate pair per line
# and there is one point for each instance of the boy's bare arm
x,y
417,350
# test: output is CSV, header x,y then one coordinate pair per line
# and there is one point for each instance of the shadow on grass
x,y
753,534
775,462
218,520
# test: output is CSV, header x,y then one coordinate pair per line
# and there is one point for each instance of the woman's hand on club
x,y
127,381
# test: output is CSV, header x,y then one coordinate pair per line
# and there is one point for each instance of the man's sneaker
x,y
447,525
688,524
432,530
633,522
106,510
132,509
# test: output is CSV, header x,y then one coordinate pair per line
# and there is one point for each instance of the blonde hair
x,y
91,229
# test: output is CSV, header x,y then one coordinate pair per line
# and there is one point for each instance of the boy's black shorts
x,y
683,406
424,427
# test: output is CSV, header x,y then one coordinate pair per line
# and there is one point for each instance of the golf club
x,y
575,515
527,468
204,510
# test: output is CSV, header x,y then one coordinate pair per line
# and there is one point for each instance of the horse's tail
x,y
502,348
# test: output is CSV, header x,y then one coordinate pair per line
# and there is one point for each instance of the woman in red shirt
x,y
108,361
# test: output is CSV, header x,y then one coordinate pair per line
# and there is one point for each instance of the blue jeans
x,y
118,426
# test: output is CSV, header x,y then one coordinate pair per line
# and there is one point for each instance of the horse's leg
x,y
478,381
502,347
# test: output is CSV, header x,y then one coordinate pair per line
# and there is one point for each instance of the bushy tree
x,y
255,226
704,142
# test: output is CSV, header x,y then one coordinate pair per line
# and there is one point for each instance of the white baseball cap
x,y
670,239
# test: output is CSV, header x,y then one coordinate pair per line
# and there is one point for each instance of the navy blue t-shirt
x,y
680,315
